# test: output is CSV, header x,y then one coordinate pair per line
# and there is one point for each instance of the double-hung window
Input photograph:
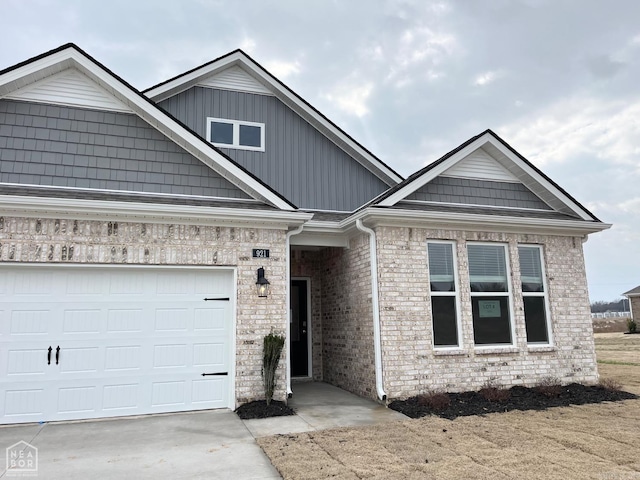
x,y
490,293
235,134
534,293
444,293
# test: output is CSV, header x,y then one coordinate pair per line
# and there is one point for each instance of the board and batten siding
x,y
65,146
299,162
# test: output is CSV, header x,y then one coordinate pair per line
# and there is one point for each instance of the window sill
x,y
444,352
540,348
496,350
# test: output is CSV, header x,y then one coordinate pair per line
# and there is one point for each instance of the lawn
x,y
597,441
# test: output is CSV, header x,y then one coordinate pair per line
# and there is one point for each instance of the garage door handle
x,y
49,355
224,299
57,354
209,374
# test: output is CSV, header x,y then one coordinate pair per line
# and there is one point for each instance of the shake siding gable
x,y
299,162
77,147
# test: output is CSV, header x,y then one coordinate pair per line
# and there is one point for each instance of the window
x,y
235,134
444,293
490,294
534,293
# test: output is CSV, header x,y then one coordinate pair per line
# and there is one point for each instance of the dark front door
x,y
299,329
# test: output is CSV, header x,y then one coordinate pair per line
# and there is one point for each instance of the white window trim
x,y
508,294
236,134
544,294
456,294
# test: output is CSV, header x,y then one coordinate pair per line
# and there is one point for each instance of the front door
x,y
299,329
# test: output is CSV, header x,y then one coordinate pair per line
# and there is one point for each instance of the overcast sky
x,y
411,80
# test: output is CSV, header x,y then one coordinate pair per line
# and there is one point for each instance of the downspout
x,y
375,305
290,234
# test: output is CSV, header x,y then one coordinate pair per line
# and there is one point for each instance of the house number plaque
x,y
260,253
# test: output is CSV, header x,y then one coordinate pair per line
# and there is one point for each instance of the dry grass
x,y
582,442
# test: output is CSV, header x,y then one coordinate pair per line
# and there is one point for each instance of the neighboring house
x,y
133,227
634,303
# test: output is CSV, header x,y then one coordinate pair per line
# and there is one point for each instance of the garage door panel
x,y
121,397
209,390
210,319
119,358
82,321
168,393
30,321
26,361
135,341
77,400
124,320
210,355
172,319
25,402
170,356
79,360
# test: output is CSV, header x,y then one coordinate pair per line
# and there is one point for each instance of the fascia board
x,y
287,97
70,57
542,181
15,205
417,183
473,222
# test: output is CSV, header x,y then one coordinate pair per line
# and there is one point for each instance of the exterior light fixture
x,y
262,284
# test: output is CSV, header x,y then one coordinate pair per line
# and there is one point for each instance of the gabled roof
x,y
535,180
633,292
238,58
70,56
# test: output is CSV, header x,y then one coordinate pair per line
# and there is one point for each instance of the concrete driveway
x,y
211,444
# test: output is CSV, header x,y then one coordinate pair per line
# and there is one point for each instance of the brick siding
x,y
51,241
410,363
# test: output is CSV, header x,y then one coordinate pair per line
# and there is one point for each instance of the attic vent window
x,y
235,134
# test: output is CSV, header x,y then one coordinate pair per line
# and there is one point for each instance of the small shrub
x,y
273,345
494,393
436,401
610,384
549,387
632,326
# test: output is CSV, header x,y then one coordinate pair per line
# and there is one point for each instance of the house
x,y
134,227
634,303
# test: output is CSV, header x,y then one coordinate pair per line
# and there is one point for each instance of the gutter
x,y
290,234
375,305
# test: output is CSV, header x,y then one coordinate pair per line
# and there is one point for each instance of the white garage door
x,y
88,342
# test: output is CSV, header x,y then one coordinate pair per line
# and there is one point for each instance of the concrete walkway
x,y
208,444
320,406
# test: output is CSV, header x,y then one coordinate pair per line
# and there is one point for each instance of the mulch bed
x,y
519,398
260,409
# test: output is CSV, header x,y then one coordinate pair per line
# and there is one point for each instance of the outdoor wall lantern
x,y
262,284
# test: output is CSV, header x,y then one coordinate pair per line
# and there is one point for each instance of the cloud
x,y
603,66
351,97
487,78
582,125
282,69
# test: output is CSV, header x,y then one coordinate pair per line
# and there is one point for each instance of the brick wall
x,y
347,328
410,363
101,242
306,264
635,308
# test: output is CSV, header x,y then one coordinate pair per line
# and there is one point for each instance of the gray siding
x,y
478,192
299,162
73,147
